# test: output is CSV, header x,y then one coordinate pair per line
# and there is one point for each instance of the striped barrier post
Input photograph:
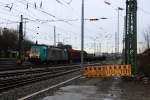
x,y
120,68
85,72
102,71
94,72
90,71
109,71
98,71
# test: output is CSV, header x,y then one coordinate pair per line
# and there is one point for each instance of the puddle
x,y
88,92
74,93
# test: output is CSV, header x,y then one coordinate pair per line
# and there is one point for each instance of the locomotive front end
x,y
34,54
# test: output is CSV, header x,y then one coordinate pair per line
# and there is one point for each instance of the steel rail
x,y
21,81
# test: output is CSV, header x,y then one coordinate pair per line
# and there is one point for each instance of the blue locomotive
x,y
42,53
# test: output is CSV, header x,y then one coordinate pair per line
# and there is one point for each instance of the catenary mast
x,y
131,34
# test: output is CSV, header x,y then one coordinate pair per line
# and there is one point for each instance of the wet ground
x,y
102,89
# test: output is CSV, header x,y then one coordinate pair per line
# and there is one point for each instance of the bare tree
x,y
9,41
147,37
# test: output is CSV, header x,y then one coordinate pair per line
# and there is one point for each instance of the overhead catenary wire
x,y
144,11
40,11
10,14
56,20
15,10
48,21
68,5
43,11
67,2
48,14
139,8
25,13
53,16
8,22
8,19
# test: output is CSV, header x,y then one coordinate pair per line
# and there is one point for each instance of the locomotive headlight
x,y
34,55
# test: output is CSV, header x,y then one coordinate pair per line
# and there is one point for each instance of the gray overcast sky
x,y
69,33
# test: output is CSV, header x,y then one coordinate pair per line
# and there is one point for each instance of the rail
x,y
11,80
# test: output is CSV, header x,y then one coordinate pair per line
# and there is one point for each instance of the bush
x,y
144,63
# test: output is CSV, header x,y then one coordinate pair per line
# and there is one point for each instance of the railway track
x,y
9,64
16,76
13,79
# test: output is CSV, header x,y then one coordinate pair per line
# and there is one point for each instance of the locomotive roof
x,y
39,45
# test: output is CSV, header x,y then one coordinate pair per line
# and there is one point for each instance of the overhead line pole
x,y
124,39
54,35
118,33
82,33
116,43
20,55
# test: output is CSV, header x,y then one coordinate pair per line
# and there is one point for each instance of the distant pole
x,y
54,35
82,34
99,48
107,45
118,34
124,42
25,22
24,34
94,47
21,41
118,28
36,42
58,40
116,43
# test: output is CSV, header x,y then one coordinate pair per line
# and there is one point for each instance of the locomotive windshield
x,y
34,50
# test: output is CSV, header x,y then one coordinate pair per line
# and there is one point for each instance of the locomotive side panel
x,y
56,54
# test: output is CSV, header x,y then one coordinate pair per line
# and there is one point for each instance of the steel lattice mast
x,y
131,34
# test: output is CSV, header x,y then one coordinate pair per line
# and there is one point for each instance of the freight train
x,y
43,53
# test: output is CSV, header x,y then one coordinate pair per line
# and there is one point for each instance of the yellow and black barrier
x,y
107,71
